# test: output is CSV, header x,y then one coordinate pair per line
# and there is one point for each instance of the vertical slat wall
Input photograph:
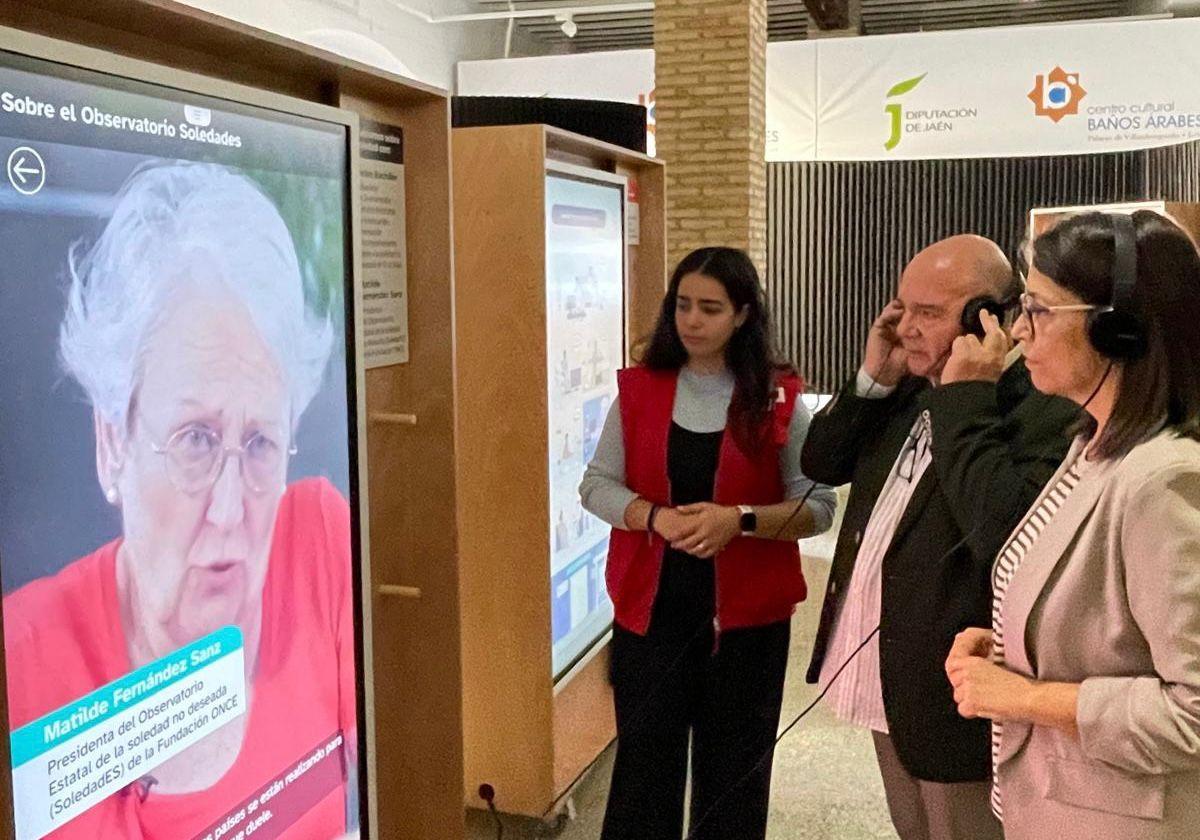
x,y
839,233
1173,172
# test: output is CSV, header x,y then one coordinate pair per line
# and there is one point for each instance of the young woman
x,y
697,470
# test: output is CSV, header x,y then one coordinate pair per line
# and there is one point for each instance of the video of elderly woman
x,y
177,548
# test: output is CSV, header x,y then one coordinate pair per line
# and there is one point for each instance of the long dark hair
x,y
750,354
1078,255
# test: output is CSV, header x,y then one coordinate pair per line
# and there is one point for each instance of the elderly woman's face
x,y
1058,354
198,511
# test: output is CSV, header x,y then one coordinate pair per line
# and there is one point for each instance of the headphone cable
x,y
770,752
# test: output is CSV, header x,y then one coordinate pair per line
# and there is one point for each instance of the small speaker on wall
x,y
620,123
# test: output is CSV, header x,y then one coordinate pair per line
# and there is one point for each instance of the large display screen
x,y
585,298
178,469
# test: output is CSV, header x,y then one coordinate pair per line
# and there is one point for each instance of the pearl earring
x,y
111,495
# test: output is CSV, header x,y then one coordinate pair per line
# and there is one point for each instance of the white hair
x,y
167,218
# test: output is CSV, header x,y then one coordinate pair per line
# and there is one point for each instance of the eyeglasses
x,y
196,456
1031,308
914,449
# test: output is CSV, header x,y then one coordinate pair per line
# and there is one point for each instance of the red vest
x,y
757,581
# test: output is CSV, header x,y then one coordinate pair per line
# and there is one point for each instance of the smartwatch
x,y
748,521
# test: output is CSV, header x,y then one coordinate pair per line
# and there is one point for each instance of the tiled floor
x,y
826,784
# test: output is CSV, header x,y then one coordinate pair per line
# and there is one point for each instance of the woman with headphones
x,y
1091,671
698,471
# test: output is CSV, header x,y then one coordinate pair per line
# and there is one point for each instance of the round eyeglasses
x,y
196,456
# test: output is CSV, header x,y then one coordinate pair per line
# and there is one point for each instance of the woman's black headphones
x,y
1115,330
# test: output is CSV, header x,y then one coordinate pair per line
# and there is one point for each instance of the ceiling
x,y
789,19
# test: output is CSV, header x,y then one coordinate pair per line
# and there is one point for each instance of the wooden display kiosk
x,y
413,729
528,733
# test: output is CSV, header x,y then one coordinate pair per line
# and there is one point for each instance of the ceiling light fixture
x,y
569,27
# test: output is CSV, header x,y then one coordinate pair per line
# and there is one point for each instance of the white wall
x,y
374,31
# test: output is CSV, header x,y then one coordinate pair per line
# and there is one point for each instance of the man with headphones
x,y
943,460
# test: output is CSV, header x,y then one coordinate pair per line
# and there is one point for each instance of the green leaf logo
x,y
905,86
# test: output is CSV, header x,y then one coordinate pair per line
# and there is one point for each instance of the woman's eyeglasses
x,y
1032,310
196,455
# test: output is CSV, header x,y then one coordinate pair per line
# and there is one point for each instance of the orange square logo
x,y
1057,94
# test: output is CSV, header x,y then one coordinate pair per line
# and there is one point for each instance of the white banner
x,y
791,101
1009,92
618,76
1000,92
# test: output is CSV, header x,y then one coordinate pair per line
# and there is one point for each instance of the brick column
x,y
710,94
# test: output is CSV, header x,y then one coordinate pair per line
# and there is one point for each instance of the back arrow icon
x,y
26,170
21,170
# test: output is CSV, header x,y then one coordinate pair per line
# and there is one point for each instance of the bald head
x,y
964,266
934,289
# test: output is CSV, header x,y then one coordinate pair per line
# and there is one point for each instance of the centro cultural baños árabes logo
x,y
922,121
1057,94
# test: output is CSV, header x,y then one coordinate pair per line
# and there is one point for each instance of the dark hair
x,y
750,354
1078,255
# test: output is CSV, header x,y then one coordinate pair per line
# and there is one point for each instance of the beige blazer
x,y
1109,597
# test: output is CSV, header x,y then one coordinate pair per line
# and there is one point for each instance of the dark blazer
x,y
993,449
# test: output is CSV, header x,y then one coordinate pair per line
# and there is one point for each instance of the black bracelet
x,y
650,519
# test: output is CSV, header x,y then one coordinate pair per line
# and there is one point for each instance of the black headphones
x,y
1115,330
972,324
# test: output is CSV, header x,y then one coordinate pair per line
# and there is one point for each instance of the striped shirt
x,y
857,695
1007,563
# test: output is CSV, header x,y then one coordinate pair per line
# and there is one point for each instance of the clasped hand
x,y
702,530
982,689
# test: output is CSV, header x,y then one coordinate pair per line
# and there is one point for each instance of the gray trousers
x,y
930,810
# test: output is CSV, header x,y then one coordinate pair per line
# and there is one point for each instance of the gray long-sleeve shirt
x,y
701,405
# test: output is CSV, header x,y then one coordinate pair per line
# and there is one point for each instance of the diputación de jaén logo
x,y
1057,94
895,110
